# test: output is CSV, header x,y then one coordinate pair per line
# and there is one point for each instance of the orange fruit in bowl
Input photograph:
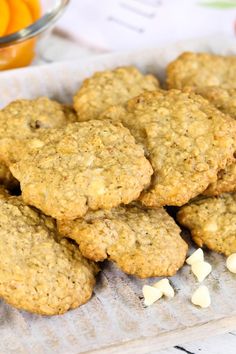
x,y
4,16
20,16
21,13
35,8
18,55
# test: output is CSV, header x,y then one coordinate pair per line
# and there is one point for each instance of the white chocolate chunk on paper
x,y
164,286
201,270
231,263
201,297
196,256
151,294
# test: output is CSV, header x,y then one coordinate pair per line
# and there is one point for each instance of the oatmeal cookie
x,y
142,242
225,101
24,119
226,181
212,222
39,271
222,98
200,70
186,139
86,165
109,88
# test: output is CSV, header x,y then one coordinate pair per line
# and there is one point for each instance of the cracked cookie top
x,y
40,272
186,139
107,88
86,165
24,119
141,241
201,69
212,222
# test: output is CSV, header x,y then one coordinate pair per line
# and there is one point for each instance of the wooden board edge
x,y
168,339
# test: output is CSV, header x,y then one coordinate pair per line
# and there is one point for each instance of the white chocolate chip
x,y
211,227
231,263
151,294
36,143
201,297
164,286
201,270
196,256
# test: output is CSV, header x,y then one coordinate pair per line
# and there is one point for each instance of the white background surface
x,y
134,24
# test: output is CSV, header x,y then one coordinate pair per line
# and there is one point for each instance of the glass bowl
x,y
18,49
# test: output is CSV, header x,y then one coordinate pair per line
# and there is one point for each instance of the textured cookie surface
x,y
142,242
201,69
39,273
187,141
109,88
225,101
212,222
226,181
24,119
87,165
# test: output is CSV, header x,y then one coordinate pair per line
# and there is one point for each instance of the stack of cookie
x,y
211,220
93,180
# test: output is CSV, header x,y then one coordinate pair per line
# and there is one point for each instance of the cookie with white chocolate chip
x,y
225,100
186,139
86,165
142,242
201,69
24,119
212,222
39,271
